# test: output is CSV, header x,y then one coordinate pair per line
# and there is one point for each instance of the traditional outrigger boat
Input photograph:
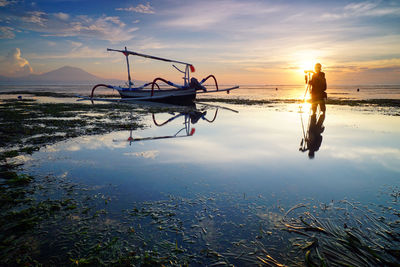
x,y
178,94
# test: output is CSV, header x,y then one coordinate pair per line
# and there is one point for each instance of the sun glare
x,y
306,62
307,65
306,59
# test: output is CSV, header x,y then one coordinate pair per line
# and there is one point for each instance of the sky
x,y
240,42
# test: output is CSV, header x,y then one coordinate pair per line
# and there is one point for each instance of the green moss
x,y
20,179
9,154
35,125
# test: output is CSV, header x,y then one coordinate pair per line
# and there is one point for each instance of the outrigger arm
x,y
188,66
147,56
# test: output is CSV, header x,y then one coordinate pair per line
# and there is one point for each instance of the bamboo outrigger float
x,y
178,94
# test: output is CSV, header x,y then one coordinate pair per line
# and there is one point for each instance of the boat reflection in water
x,y
312,139
189,116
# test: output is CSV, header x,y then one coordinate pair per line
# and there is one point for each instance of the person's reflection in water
x,y
314,134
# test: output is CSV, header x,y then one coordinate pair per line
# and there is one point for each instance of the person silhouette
x,y
318,89
315,129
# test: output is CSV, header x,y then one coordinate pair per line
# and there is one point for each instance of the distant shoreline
x,y
49,83
389,102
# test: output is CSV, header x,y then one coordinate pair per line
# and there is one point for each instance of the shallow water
x,y
253,152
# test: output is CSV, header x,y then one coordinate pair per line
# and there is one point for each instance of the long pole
x,y
307,86
147,56
127,64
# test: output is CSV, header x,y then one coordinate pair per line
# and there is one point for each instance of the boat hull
x,y
176,97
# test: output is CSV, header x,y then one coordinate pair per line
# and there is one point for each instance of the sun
x,y
306,59
307,65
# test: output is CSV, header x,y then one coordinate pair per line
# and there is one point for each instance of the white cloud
x,y
61,16
35,17
115,20
109,28
145,9
363,9
75,45
15,65
6,32
105,28
76,50
215,13
5,3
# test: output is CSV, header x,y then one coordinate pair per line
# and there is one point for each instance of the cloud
x,y
109,28
363,9
35,17
115,20
392,64
4,3
360,7
50,43
215,13
61,16
105,28
76,50
6,32
145,9
15,65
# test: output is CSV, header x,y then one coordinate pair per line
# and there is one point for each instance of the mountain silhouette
x,y
65,73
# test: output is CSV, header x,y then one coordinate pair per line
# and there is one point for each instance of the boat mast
x,y
187,75
127,64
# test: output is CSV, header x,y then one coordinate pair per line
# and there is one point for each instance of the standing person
x,y
318,88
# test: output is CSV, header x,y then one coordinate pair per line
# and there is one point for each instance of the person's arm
x,y
311,81
322,82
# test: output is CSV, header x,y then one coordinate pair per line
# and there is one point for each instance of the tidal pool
x,y
253,152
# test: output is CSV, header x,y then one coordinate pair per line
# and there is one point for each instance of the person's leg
x,y
313,120
322,106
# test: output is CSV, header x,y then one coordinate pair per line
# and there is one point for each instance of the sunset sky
x,y
241,42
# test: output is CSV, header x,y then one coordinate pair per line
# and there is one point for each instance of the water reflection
x,y
312,139
190,117
218,158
